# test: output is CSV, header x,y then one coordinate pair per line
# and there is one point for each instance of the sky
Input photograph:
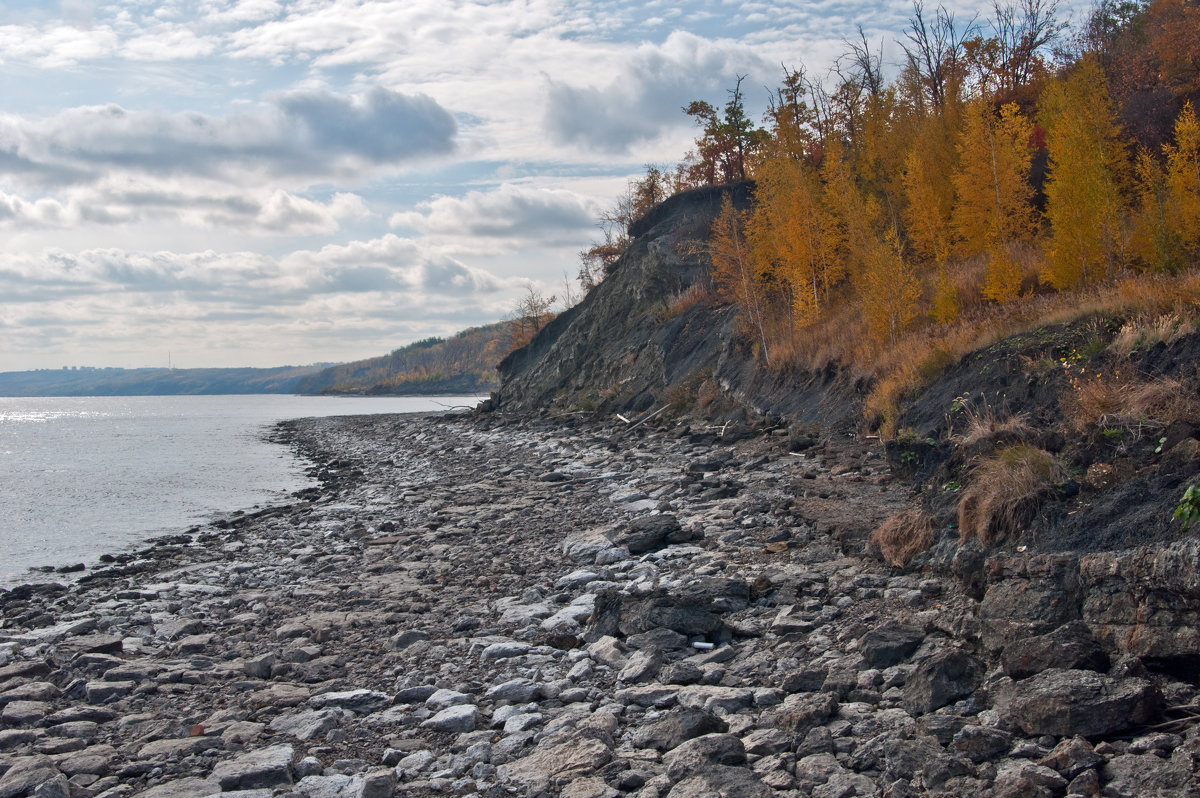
x,y
271,182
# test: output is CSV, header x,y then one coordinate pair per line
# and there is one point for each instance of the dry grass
x,y
1146,331
1005,493
985,424
903,536
1129,402
698,293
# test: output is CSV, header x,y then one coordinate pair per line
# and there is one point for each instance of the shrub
x,y
903,536
1128,401
1006,492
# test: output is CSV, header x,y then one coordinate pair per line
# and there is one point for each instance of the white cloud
x,y
515,212
299,135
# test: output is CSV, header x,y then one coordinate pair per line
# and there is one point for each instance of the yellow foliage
x,y
992,183
733,274
945,298
1083,199
1002,280
889,290
1183,175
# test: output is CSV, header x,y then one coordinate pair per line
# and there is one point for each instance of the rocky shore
x,y
478,607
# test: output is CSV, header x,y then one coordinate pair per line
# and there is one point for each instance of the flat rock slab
x,y
266,767
26,773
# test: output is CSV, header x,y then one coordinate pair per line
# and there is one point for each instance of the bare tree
x,y
530,314
1023,30
935,52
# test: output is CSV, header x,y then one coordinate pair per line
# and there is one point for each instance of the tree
x,y
734,276
1183,175
727,140
788,234
930,198
888,289
934,53
530,314
1083,197
993,209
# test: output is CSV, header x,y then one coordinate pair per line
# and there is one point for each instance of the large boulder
x,y
889,644
1069,646
1064,703
940,678
677,727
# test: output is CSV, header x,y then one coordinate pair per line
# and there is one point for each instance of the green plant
x,y
1161,443
1113,434
909,457
952,486
1188,511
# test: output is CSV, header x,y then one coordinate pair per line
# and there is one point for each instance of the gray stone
x,y
940,678
309,725
504,650
698,753
362,702
1069,646
889,644
677,727
455,720
514,691
642,665
441,699
266,767
26,773
103,692
182,788
1064,703
720,781
557,764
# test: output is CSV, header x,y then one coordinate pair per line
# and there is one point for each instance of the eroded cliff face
x,y
632,345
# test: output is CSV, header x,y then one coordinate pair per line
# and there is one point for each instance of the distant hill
x,y
462,364
153,382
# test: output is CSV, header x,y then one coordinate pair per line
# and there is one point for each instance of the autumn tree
x,y
788,234
888,289
734,276
640,195
1083,199
993,210
530,315
934,52
1183,176
1156,239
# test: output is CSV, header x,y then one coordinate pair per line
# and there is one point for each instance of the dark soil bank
x,y
473,608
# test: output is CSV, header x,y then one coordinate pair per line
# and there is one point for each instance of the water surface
x,y
84,476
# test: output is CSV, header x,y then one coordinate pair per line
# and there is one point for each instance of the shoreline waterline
x,y
82,477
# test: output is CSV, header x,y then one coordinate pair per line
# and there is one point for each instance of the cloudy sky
x,y
268,182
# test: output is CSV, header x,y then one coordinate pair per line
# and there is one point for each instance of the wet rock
x,y
1065,703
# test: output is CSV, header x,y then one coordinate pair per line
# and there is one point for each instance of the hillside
x,y
153,382
462,364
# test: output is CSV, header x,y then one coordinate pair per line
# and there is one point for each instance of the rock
x,y
698,753
980,743
1042,598
889,644
104,692
1069,646
259,667
557,764
504,650
455,720
940,678
378,784
24,713
32,691
178,748
441,699
642,665
266,767
607,650
718,781
309,725
182,788
648,533
362,702
57,787
407,638
334,786
25,773
514,691
800,712
1145,775
763,742
1022,779
1072,757
1064,703
584,545
676,727
415,695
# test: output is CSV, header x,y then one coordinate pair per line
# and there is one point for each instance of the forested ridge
x,y
1016,172
463,363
